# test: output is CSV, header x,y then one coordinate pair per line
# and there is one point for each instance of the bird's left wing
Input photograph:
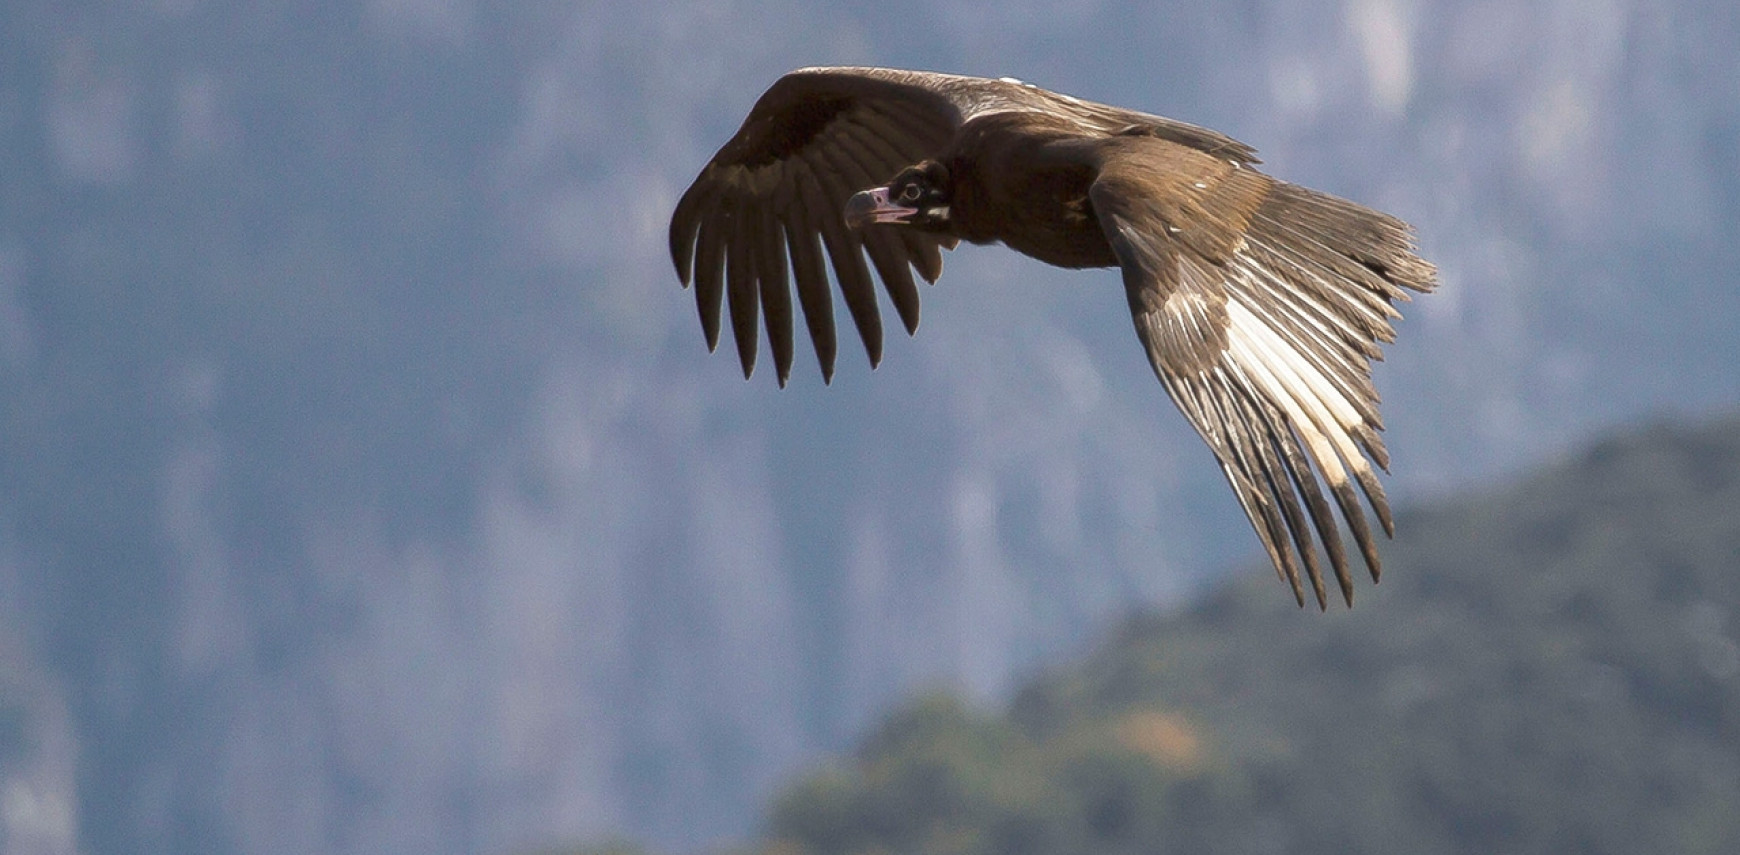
x,y
1260,305
777,189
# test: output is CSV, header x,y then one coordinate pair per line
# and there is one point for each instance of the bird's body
x,y
1031,157
1260,303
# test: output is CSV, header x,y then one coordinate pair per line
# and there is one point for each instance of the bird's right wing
x,y
1261,305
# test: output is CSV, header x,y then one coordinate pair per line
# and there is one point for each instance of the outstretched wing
x,y
777,189
1261,305
779,186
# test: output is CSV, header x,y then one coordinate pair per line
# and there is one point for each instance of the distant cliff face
x,y
366,486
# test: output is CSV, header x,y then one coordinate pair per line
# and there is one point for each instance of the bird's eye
x,y
910,193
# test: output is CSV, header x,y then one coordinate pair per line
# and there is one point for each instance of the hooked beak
x,y
872,206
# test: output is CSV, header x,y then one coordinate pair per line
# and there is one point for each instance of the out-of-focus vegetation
x,y
1549,667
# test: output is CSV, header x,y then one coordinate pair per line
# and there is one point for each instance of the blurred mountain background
x,y
365,485
1549,667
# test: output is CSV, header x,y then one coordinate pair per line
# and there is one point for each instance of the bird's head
x,y
918,196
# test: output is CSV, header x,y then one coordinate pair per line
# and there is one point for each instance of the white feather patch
x,y
1319,412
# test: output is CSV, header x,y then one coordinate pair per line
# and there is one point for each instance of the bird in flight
x,y
1260,303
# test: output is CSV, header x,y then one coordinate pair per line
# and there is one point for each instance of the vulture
x,y
1261,304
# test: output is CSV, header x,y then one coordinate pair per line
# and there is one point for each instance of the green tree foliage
x,y
1548,667
939,777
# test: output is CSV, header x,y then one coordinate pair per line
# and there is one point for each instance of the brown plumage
x,y
1260,303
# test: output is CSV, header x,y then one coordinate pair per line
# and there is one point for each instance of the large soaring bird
x,y
1260,303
